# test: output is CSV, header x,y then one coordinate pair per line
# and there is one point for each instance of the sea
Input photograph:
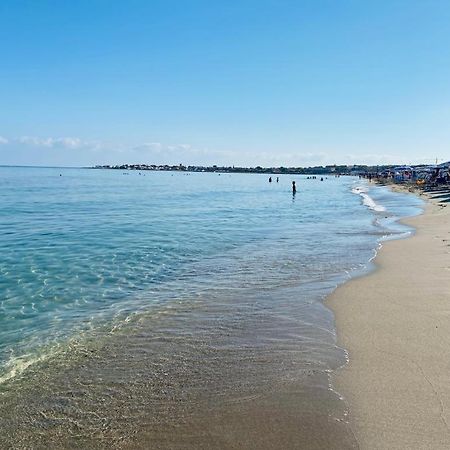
x,y
151,306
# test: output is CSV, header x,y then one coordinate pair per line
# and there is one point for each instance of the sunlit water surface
x,y
214,279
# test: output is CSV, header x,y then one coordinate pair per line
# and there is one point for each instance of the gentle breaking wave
x,y
367,199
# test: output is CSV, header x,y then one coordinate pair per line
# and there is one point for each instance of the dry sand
x,y
395,324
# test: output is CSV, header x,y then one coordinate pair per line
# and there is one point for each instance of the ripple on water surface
x,y
148,302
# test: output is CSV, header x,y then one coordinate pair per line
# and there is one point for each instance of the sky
x,y
248,82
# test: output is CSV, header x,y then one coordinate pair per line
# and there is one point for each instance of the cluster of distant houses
x,y
316,170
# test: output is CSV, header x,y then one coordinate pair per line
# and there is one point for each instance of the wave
x,y
367,199
15,366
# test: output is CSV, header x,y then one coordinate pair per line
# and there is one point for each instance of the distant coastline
x,y
316,170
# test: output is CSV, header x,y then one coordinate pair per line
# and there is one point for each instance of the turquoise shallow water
x,y
82,249
148,310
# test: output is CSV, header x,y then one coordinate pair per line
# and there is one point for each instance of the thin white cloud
x,y
154,152
71,143
35,141
286,159
149,146
3,140
162,148
159,153
373,159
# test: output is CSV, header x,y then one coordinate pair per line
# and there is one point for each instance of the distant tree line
x,y
316,170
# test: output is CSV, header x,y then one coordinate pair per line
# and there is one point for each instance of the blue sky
x,y
231,82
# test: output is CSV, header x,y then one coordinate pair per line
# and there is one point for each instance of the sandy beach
x,y
394,323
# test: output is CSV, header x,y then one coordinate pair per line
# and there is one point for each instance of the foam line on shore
x,y
392,322
367,199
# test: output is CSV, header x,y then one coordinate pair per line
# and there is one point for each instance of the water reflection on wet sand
x,y
235,373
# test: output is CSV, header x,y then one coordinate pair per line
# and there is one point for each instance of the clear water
x,y
91,247
147,310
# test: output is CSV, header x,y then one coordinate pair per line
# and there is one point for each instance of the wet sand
x,y
394,323
192,378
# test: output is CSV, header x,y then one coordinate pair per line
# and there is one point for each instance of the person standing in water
x,y
294,189
277,179
270,179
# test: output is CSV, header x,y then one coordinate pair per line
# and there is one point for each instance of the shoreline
x,y
393,323
225,384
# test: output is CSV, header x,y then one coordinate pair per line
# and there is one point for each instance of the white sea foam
x,y
16,366
367,199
